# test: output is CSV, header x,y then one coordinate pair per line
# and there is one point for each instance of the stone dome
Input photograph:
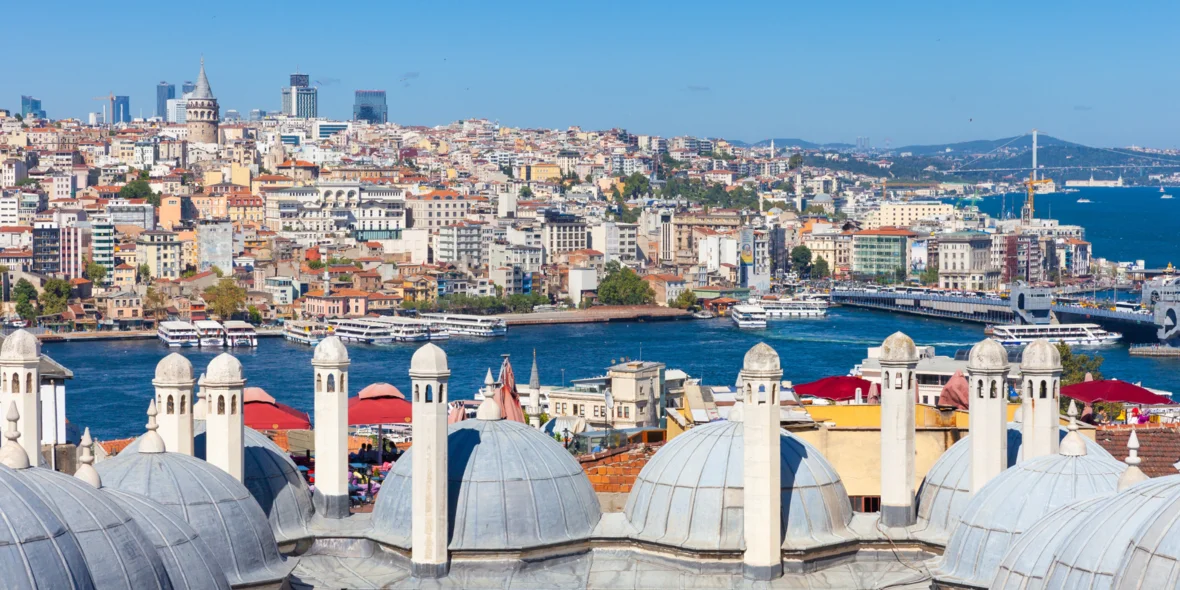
x,y
330,350
216,505
186,559
899,348
761,359
1027,561
174,368
37,550
689,495
226,368
272,478
994,519
22,346
987,355
1040,356
1150,558
511,488
118,553
429,360
946,490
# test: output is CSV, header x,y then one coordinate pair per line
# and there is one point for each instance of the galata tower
x,y
202,111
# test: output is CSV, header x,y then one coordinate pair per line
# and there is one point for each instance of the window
x,y
171,405
429,393
1044,387
221,404
182,408
233,404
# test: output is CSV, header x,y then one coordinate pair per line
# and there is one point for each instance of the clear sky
x,y
1100,73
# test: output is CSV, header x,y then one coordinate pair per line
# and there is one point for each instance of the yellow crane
x,y
108,115
1026,214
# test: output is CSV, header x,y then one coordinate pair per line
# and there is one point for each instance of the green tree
x,y
154,302
28,181
526,192
686,300
930,275
1074,366
139,189
621,286
800,258
23,293
95,271
55,294
636,185
225,298
143,273
315,264
820,269
255,315
795,161
217,271
900,274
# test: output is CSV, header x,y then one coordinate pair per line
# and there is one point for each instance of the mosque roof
x,y
34,536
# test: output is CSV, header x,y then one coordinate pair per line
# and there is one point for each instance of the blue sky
x,y
909,72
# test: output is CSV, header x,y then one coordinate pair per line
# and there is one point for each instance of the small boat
x,y
309,333
703,315
1084,200
1165,196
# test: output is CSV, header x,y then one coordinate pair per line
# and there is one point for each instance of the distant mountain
x,y
983,146
795,142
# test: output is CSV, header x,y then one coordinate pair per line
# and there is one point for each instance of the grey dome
x,y
987,355
330,350
511,488
762,359
946,490
22,346
689,495
1153,553
899,348
1012,503
1095,549
272,478
218,507
36,548
1040,356
429,360
117,552
187,560
174,368
1027,561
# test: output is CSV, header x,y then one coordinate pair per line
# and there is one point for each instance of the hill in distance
x,y
979,146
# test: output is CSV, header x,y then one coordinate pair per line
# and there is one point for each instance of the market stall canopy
x,y
956,392
1113,390
262,412
837,389
380,403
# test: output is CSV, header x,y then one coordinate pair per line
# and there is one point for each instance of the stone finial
x,y
12,454
151,442
1073,445
1133,474
488,381
86,471
489,409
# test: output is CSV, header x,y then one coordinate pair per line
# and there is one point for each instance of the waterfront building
x,y
370,106
102,240
617,241
965,262
561,233
202,114
460,243
883,251
314,212
682,250
503,254
161,252
164,93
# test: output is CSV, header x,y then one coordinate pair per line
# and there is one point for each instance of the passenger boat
x,y
381,330
303,332
748,316
178,334
791,308
466,325
239,333
210,334
1071,334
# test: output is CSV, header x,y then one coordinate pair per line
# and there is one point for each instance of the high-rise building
x,y
176,110
301,80
300,101
164,93
202,112
187,88
122,110
370,106
31,107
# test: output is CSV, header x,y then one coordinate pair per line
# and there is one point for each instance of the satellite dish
x,y
610,401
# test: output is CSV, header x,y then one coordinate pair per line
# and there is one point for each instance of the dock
x,y
98,336
626,313
1154,350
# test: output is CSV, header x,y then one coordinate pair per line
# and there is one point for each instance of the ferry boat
x,y
239,333
748,316
309,333
1071,334
1085,200
791,308
178,334
1166,197
380,330
465,325
210,334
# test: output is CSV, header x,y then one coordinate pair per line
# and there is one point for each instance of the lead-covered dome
x,y
1027,562
1012,503
946,490
218,507
118,553
37,550
511,488
690,494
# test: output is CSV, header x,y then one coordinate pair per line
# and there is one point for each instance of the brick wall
x,y
614,470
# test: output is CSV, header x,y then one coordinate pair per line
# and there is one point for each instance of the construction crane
x,y
106,118
1028,211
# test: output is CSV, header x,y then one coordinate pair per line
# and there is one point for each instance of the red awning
x,y
1113,390
378,409
838,389
261,415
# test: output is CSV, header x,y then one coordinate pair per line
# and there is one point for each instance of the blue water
x,y
1122,224
112,383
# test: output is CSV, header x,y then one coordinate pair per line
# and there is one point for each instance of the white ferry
x,y
466,325
309,333
791,308
748,316
1071,334
177,334
239,333
210,334
381,330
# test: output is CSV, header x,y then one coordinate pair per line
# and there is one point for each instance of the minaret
x,y
1040,370
898,359
987,379
330,363
20,361
535,394
761,376
174,392
1133,474
429,375
224,429
201,112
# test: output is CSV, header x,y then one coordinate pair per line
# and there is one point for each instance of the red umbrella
x,y
837,389
262,412
1113,390
956,393
507,396
379,403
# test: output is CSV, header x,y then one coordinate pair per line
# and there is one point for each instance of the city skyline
x,y
930,74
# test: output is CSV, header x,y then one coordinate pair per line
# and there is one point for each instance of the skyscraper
x,y
301,80
187,88
122,108
31,107
370,106
164,92
300,99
